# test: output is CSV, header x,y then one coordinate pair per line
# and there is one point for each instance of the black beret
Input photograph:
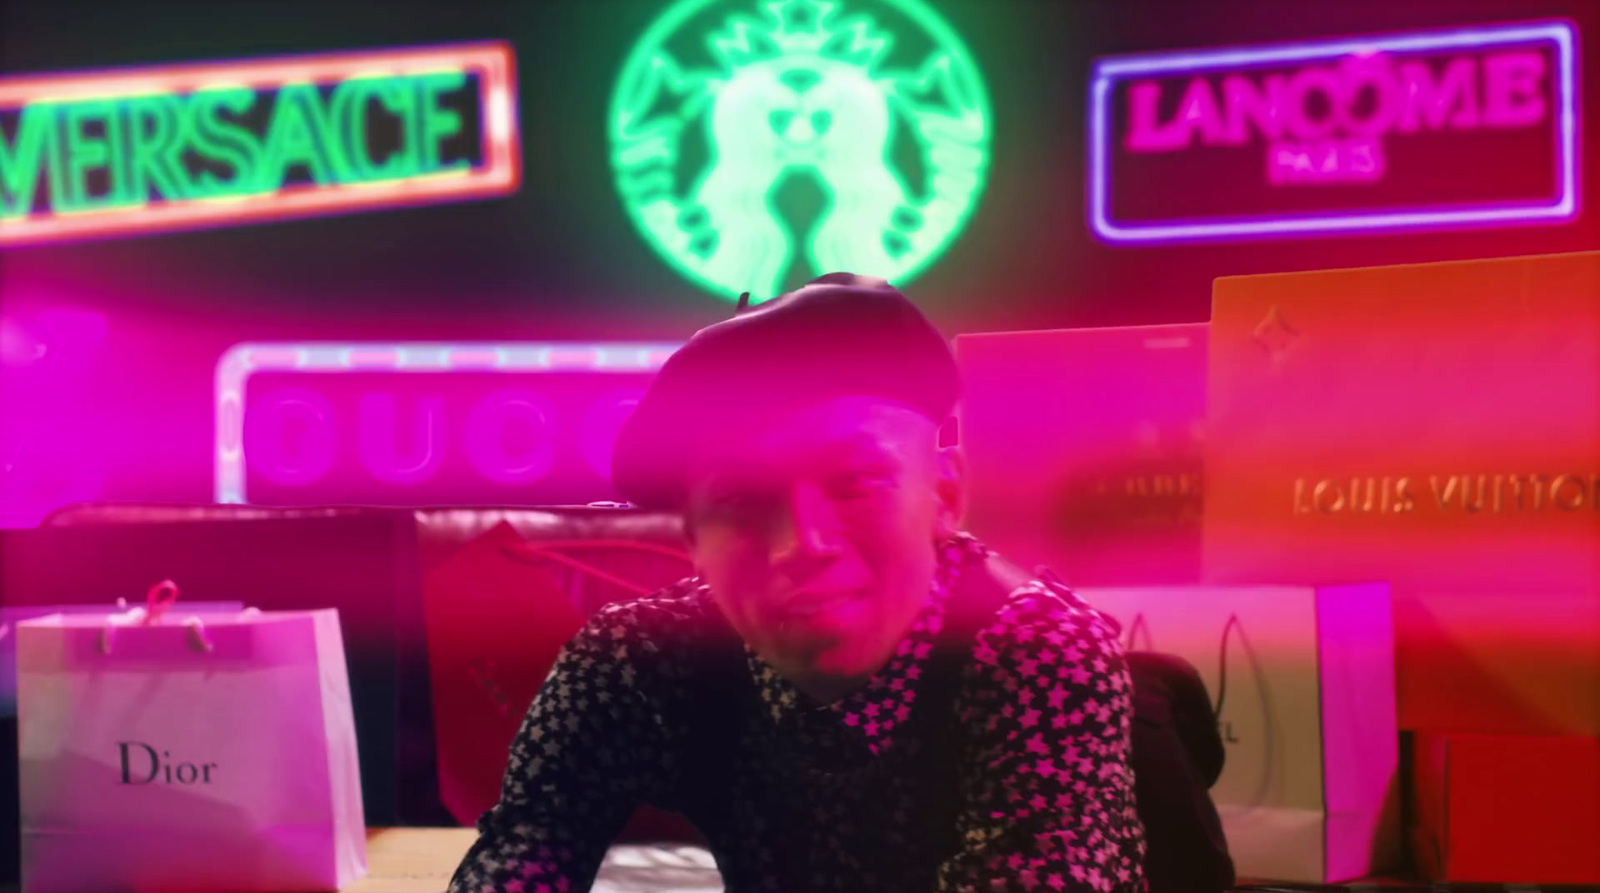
x,y
838,335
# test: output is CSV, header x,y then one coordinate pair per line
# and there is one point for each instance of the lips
x,y
817,605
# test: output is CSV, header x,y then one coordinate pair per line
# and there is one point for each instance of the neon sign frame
x,y
798,88
241,361
500,173
1110,70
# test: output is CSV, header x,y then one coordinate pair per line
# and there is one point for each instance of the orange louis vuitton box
x,y
1083,449
1506,809
1436,426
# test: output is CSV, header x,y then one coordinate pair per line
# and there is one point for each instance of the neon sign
x,y
409,424
727,110
1449,128
189,146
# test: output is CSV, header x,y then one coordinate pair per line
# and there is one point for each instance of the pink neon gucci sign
x,y
1467,126
409,424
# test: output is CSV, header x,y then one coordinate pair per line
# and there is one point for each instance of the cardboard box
x,y
1506,809
1436,426
1083,448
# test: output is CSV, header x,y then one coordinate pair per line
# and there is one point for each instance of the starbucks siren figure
x,y
802,91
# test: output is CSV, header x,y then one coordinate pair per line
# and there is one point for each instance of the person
x,y
827,700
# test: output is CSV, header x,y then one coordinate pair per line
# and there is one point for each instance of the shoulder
x,y
1045,622
1047,667
1024,605
671,621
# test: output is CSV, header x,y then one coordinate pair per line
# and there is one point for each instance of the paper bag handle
x,y
158,601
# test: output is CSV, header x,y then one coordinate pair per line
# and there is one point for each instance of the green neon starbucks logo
x,y
758,143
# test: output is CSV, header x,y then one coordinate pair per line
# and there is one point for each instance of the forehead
x,y
837,429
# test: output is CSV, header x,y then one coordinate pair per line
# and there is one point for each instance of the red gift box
x,y
499,609
1506,809
495,626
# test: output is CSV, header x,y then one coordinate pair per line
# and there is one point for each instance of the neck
x,y
827,689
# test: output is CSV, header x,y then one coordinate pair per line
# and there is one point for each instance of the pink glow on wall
x,y
1329,112
50,452
425,418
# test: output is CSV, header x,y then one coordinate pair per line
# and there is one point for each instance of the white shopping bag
x,y
10,617
187,752
1304,680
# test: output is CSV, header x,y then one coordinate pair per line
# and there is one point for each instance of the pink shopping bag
x,y
174,751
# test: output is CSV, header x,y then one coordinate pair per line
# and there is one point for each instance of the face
x,y
817,533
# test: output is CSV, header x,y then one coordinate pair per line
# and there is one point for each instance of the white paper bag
x,y
1305,680
10,617
207,753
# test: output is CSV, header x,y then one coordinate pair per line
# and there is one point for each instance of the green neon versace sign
x,y
874,106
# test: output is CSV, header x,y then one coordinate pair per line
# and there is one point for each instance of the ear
x,y
950,489
693,545
688,526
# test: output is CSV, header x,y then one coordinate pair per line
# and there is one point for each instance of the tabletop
x,y
421,860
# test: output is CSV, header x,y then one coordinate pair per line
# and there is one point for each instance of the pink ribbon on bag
x,y
161,597
158,601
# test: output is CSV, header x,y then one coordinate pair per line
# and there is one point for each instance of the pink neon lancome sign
x,y
1467,126
1362,99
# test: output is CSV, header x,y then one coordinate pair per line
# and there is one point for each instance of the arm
x,y
587,754
1047,793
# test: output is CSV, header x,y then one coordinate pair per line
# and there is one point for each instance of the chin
x,y
808,659
848,647
845,661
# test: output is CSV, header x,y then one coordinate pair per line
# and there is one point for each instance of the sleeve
x,y
588,752
1047,794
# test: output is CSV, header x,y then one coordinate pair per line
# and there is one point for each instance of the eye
x,y
735,501
739,503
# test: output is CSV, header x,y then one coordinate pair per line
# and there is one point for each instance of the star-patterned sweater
x,y
1020,782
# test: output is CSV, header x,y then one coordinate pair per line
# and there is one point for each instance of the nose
x,y
807,535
